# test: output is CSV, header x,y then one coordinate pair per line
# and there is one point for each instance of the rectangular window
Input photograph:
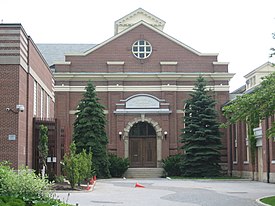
x,y
41,103
246,146
34,98
47,107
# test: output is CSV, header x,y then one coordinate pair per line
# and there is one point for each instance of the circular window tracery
x,y
142,49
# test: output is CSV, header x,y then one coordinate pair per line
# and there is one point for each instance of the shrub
x,y
59,179
77,167
171,165
11,201
118,165
25,184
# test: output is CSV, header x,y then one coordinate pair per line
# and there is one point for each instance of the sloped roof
x,y
56,52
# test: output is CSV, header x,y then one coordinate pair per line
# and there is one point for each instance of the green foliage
x,y
43,144
255,106
118,165
59,179
25,184
89,131
171,165
77,167
252,108
11,201
201,135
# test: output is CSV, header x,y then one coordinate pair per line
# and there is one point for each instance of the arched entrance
x,y
142,145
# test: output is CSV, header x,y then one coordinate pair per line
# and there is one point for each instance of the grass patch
x,y
269,200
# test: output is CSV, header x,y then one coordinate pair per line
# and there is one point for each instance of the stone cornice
x,y
164,76
149,88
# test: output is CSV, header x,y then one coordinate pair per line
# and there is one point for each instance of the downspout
x,y
27,105
268,153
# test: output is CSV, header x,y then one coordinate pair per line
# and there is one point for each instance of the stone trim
x,y
159,136
112,88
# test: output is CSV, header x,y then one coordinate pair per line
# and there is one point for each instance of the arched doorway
x,y
142,145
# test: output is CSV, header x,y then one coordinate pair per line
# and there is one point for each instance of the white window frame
x,y
47,107
138,53
42,103
34,98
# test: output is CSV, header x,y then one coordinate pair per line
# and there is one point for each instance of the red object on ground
x,y
139,185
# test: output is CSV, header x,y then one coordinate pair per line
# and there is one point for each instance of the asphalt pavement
x,y
165,192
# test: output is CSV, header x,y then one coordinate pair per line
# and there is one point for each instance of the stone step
x,y
144,172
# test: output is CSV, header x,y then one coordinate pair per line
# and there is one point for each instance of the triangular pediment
x,y
137,16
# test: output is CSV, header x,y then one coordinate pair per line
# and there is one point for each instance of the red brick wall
x,y
9,122
16,87
120,50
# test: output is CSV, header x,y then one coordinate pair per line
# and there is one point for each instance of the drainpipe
x,y
268,152
27,106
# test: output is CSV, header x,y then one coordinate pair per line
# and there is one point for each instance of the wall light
x,y
120,135
165,134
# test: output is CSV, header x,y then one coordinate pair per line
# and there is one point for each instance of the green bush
x,y
171,165
23,184
59,179
11,201
118,165
77,167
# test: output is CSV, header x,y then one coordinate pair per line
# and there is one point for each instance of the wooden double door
x,y
142,152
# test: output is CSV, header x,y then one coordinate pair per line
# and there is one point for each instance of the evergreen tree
x,y
201,135
89,131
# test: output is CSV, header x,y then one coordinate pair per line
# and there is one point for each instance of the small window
x,y
142,49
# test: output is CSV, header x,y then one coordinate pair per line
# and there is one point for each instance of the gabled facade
x,y
142,77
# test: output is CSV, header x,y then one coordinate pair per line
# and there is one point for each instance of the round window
x,y
142,49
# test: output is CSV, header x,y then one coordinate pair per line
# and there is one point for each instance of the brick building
x,y
142,76
26,92
239,157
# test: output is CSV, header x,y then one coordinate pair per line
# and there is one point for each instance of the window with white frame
x,y
47,107
41,103
34,98
142,49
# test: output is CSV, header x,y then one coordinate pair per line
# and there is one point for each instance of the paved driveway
x,y
164,192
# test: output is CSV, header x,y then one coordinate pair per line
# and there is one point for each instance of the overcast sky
x,y
239,30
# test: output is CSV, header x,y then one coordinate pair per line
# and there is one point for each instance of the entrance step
x,y
144,172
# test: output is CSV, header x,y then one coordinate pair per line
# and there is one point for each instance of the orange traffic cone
x,y
139,185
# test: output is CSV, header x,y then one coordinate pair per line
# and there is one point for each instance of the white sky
x,y
239,30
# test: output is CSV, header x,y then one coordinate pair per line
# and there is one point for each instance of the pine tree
x,y
89,131
201,135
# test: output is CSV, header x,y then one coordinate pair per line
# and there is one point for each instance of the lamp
x,y
165,134
120,135
19,108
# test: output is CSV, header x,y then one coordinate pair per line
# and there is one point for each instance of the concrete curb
x,y
261,203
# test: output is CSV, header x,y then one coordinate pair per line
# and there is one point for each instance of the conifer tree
x,y
89,131
201,135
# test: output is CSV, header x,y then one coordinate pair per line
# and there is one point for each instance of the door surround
x,y
159,136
